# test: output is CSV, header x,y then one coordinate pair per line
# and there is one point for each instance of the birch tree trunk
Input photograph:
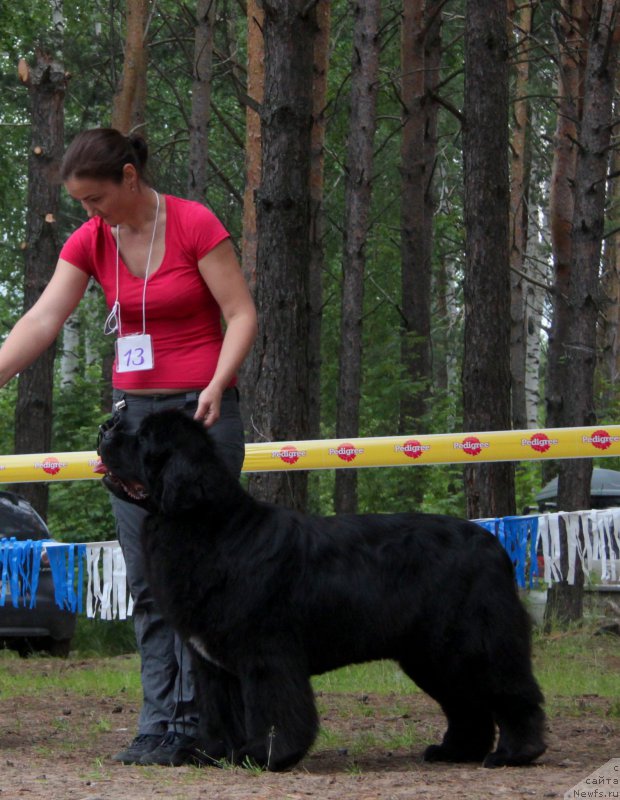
x,y
70,359
486,362
358,188
535,297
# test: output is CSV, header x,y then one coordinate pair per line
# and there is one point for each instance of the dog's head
x,y
169,465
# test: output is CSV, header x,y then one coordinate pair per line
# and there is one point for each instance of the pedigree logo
x,y
539,442
289,454
471,445
601,440
412,448
346,452
51,465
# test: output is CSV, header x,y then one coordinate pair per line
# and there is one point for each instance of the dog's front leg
x,y
220,710
281,717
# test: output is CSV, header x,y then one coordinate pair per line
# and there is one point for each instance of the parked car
x,y
46,626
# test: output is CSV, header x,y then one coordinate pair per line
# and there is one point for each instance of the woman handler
x,y
169,274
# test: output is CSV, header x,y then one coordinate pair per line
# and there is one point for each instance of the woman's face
x,y
102,198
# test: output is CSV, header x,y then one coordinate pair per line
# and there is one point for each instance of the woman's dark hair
x,y
101,153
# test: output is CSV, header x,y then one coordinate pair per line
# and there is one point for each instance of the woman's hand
x,y
209,404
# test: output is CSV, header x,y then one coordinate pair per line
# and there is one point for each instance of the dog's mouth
x,y
132,489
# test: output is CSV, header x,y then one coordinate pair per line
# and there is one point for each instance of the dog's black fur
x,y
267,597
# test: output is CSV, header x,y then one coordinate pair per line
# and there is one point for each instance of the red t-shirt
x,y
182,316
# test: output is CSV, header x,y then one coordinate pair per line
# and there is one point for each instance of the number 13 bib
x,y
134,353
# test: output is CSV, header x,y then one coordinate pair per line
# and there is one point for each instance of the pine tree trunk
x,y
128,108
486,371
609,344
561,197
280,380
315,286
253,157
420,57
577,362
358,189
46,82
201,100
519,191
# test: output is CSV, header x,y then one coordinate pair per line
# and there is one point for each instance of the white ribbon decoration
x,y
106,593
592,537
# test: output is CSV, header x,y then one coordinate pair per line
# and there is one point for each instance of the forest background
x,y
424,198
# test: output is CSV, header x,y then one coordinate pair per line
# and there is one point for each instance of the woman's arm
x,y
38,328
222,274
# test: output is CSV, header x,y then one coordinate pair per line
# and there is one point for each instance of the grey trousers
x,y
168,696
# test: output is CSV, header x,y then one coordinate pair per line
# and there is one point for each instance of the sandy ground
x,y
58,748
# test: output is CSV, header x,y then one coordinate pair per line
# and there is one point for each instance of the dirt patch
x,y
57,747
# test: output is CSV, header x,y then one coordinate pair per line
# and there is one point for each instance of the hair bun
x,y
140,147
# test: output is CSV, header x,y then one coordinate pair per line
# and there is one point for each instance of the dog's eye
x,y
105,428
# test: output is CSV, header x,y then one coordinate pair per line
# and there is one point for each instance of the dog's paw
x,y
501,758
439,752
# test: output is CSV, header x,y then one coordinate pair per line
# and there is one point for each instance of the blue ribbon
x,y
21,565
518,536
62,560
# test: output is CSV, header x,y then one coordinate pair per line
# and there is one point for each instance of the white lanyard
x,y
133,352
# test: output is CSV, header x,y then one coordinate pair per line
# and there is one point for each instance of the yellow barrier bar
x,y
384,451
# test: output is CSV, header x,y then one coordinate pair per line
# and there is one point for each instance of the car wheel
x,y
57,647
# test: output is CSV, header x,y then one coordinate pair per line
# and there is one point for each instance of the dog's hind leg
x,y
471,730
281,718
514,694
469,736
221,712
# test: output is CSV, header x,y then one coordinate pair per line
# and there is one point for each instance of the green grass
x,y
569,664
572,664
377,677
117,677
577,664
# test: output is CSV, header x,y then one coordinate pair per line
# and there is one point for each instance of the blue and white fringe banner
x,y
593,538
107,594
98,568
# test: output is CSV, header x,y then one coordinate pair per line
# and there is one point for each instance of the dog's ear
x,y
180,463
179,486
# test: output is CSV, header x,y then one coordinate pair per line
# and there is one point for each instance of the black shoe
x,y
141,745
174,750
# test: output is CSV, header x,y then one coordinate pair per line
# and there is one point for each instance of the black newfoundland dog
x,y
267,597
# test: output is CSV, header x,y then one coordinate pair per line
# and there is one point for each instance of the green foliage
x,y
92,52
79,511
95,637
